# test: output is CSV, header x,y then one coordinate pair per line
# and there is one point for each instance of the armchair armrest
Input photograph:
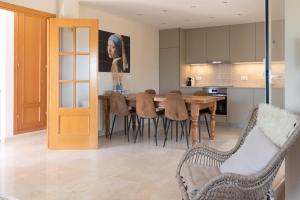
x,y
203,155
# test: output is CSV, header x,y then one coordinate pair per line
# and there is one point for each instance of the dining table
x,y
194,103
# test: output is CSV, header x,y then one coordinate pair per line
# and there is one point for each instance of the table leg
x,y
213,109
106,110
195,114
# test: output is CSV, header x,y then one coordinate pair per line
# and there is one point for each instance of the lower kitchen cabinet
x,y
240,101
277,97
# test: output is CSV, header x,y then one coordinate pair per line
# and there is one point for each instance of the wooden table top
x,y
187,98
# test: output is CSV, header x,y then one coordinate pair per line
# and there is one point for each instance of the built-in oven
x,y
221,105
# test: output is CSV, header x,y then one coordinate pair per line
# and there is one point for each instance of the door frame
x,y
30,11
21,9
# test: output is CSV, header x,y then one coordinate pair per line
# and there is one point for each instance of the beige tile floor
x,y
117,170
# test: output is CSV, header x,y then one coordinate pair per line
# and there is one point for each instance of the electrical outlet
x,y
244,78
129,77
198,78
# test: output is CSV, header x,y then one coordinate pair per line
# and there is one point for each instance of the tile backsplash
x,y
238,75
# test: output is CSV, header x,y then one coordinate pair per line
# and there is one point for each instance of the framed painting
x,y
114,52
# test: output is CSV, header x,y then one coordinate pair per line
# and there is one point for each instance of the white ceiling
x,y
186,13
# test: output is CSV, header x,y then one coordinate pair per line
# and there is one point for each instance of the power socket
x,y
244,78
198,78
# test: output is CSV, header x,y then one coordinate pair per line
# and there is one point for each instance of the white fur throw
x,y
276,124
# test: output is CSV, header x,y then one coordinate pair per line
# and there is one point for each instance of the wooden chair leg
x,y
112,128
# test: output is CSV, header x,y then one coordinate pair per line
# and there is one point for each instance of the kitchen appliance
x,y
218,91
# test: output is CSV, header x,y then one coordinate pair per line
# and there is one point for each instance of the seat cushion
x,y
196,176
254,155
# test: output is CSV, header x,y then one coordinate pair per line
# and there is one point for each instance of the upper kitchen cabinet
x,y
242,43
196,46
217,44
169,69
259,42
171,58
169,38
277,40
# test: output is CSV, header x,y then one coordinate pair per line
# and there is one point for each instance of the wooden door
x,y
30,72
73,96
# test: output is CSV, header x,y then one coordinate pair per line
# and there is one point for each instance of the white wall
x,y
42,5
6,73
292,94
67,8
144,45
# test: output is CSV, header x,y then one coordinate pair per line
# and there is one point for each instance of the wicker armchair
x,y
230,186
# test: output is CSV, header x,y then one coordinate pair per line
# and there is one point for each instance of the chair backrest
x,y
118,105
274,164
176,92
200,93
175,108
150,91
145,107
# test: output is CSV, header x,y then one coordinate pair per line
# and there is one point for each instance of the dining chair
x,y
119,108
145,109
176,92
176,111
180,93
150,91
248,170
202,112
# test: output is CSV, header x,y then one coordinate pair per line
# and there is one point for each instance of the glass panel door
x,y
74,67
73,83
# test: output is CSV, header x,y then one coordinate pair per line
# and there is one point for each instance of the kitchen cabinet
x,y
196,46
171,58
169,38
277,41
240,101
258,96
217,44
259,41
277,97
239,104
168,69
242,43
